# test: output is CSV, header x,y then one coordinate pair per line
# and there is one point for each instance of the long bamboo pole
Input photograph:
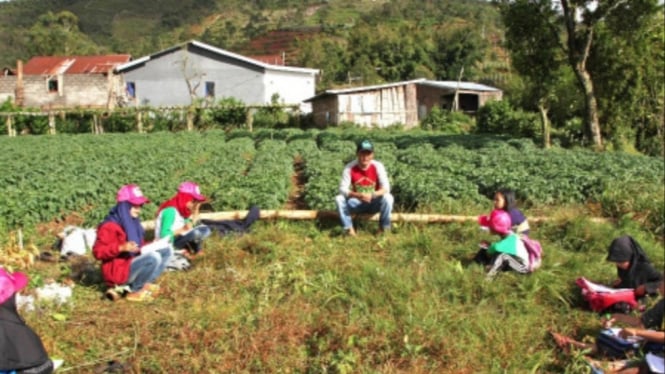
x,y
320,214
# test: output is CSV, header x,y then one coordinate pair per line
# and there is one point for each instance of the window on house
x,y
210,89
52,84
131,89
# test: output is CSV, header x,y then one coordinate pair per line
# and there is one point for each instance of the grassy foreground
x,y
297,297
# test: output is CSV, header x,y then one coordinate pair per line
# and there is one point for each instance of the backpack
x,y
602,298
535,251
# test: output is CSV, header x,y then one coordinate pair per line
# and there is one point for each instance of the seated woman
x,y
21,349
649,327
174,219
633,267
118,245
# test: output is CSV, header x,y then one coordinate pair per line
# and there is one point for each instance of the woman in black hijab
x,y
21,349
633,267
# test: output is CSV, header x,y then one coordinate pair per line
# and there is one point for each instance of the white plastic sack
x,y
77,240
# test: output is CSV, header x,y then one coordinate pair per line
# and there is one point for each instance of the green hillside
x,y
140,28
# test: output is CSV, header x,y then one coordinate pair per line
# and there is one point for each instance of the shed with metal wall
x,y
406,103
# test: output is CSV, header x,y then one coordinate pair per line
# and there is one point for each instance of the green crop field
x,y
299,297
46,177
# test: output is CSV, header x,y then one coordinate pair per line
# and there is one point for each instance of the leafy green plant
x,y
447,122
499,117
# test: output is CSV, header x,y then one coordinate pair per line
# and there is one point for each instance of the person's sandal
x,y
112,294
152,288
140,296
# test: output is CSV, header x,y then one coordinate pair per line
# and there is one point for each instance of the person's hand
x,y
484,244
366,197
607,321
628,332
129,246
183,230
640,291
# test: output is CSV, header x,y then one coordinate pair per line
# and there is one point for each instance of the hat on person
x,y
192,189
365,146
132,194
11,283
498,221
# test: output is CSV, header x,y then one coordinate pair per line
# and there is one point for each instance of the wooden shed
x,y
406,102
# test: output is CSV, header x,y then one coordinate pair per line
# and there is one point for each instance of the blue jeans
x,y
381,204
147,267
193,239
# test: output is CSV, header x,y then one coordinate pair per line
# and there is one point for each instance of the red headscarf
x,y
179,201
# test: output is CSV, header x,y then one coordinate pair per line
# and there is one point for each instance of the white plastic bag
x,y
77,240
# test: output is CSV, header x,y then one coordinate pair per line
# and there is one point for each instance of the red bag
x,y
600,298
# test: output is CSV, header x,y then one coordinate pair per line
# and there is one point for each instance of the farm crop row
x,y
46,177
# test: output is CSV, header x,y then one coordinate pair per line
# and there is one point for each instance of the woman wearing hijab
x,y
21,349
174,219
633,267
118,246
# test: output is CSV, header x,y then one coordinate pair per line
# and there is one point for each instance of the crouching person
x,y
21,349
509,252
118,245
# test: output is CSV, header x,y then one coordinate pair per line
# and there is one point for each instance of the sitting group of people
x,y
129,267
635,271
365,188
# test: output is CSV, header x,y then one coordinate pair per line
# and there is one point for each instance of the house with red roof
x,y
56,82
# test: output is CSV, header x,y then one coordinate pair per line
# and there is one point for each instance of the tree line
x,y
591,71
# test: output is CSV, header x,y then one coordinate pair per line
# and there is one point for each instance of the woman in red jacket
x,y
118,246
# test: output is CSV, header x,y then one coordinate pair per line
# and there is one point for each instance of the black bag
x,y
224,227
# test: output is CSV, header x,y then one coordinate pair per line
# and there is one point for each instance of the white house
x,y
193,70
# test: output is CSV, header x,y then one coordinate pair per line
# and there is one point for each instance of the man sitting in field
x,y
364,188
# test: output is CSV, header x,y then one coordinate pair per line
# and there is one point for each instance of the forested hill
x,y
470,30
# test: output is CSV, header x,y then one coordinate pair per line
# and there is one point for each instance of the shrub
x,y
119,122
229,112
499,117
74,123
642,202
447,122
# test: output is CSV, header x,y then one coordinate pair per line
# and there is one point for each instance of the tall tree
x,y
633,106
534,49
460,49
580,21
59,34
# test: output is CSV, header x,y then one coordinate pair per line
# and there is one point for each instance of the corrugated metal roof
x,y
52,65
374,87
220,52
465,86
451,85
